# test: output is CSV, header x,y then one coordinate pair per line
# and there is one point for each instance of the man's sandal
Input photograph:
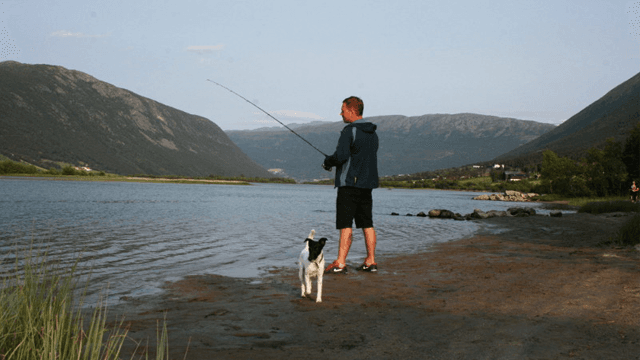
x,y
370,268
335,268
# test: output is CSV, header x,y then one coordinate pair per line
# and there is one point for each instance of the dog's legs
x,y
307,281
302,277
319,297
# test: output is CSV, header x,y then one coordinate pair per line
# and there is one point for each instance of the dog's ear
x,y
307,239
322,241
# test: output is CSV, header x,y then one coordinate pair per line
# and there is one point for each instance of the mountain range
x,y
407,144
432,142
49,114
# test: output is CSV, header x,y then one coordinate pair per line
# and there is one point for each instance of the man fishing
x,y
356,162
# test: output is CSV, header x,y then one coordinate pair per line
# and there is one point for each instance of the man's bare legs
x,y
346,237
370,242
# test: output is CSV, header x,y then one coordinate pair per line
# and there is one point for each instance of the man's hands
x,y
325,166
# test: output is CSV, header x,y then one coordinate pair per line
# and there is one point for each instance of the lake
x,y
136,236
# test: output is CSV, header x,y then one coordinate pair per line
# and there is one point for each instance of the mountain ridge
x,y
610,116
52,114
407,144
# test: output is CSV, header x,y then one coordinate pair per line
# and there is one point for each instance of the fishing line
x,y
242,97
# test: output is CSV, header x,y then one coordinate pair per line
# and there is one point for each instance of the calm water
x,y
136,236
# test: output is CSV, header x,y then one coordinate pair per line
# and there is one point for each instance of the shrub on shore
x,y
70,170
12,167
8,167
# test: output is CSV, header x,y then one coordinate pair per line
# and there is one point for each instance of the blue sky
x,y
531,60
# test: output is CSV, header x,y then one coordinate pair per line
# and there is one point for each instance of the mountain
x,y
407,144
611,116
50,114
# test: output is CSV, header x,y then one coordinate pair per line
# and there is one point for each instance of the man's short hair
x,y
354,103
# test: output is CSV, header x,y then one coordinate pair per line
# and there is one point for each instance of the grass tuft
x,y
40,319
629,233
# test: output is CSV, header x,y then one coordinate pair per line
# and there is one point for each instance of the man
x,y
356,162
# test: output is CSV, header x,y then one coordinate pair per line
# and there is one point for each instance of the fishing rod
x,y
271,116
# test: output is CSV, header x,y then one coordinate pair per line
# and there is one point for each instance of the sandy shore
x,y
522,288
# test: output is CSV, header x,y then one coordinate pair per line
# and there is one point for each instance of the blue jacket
x,y
356,156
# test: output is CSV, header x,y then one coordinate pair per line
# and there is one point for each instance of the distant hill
x,y
49,114
611,116
407,144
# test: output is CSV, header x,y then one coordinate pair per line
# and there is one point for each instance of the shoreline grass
x,y
118,178
601,206
629,233
41,319
70,173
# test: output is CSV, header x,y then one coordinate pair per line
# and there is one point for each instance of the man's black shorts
x,y
353,203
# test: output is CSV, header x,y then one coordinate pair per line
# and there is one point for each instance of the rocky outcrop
x,y
511,212
443,214
508,195
478,214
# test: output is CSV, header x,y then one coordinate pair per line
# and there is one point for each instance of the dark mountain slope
x,y
611,116
51,114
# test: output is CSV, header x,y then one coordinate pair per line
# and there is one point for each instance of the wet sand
x,y
521,288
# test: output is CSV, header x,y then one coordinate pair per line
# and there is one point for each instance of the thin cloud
x,y
200,49
69,34
297,114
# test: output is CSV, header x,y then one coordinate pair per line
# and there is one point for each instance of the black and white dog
x,y
311,265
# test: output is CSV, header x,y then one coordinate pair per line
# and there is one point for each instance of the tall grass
x,y
601,207
629,233
40,319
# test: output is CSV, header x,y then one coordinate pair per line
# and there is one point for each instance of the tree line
x,y
602,172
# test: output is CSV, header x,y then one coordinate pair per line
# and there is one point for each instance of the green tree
x,y
604,171
69,170
563,176
631,153
12,167
556,172
497,176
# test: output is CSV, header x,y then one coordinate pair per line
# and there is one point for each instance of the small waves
x,y
131,238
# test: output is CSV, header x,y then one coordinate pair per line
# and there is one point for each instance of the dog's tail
x,y
311,234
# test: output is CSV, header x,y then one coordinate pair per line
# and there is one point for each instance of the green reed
x,y
40,319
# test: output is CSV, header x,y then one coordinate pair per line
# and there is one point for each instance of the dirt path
x,y
523,288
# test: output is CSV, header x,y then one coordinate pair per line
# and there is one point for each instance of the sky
x,y
531,60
